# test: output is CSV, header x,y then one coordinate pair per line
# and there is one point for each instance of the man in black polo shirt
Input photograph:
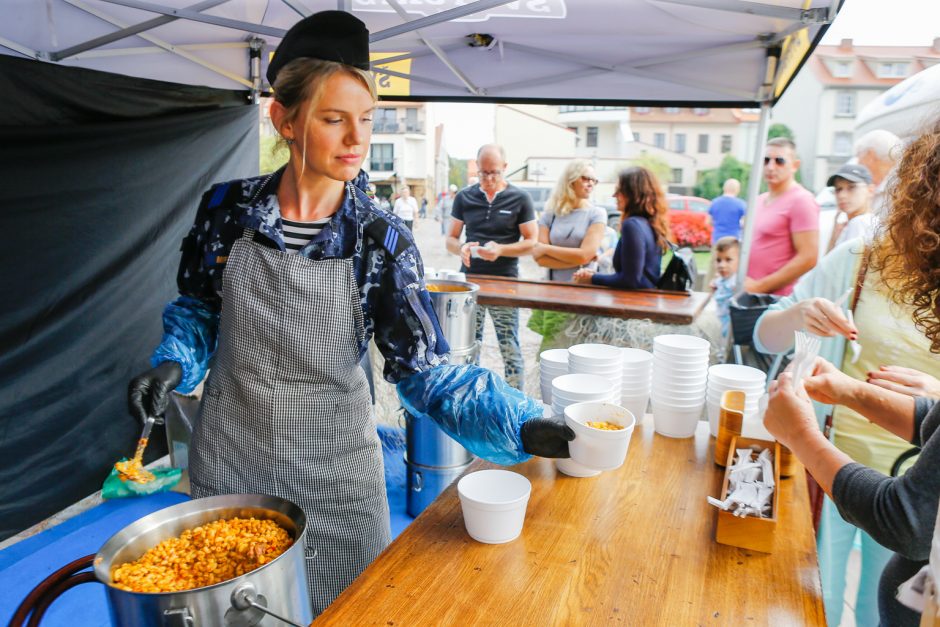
x,y
501,228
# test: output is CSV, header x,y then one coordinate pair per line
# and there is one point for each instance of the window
x,y
591,137
385,121
845,103
896,69
659,140
702,143
842,144
725,144
636,136
381,158
842,69
676,176
641,110
671,110
680,142
701,111
575,130
411,120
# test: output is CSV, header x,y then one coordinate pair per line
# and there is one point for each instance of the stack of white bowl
x,y
635,380
552,363
680,373
724,377
577,388
601,360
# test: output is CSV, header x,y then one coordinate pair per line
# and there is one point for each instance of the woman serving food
x,y
283,281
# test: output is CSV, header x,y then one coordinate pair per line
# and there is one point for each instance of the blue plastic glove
x,y
479,410
190,332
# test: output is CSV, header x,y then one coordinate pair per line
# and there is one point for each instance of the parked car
x,y
688,219
538,195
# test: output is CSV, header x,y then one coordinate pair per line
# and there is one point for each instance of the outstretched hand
x,y
546,437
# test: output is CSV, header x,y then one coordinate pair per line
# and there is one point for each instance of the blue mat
x,y
25,564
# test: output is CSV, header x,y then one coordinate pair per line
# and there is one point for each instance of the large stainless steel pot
x,y
279,586
455,306
274,594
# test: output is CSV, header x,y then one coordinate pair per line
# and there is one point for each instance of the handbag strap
x,y
859,283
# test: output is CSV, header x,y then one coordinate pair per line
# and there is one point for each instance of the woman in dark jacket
x,y
644,233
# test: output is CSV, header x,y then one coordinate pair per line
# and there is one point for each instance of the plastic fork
x,y
853,344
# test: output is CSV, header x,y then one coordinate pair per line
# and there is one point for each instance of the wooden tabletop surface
x,y
657,305
633,546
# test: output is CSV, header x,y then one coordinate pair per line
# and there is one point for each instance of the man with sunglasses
x,y
785,244
501,227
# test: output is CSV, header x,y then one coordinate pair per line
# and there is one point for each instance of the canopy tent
x,y
703,52
904,108
120,112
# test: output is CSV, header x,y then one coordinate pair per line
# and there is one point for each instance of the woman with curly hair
x,y
644,233
897,319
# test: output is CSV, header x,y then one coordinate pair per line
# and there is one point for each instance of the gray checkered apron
x,y
287,412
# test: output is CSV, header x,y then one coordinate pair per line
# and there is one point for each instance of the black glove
x,y
546,437
149,393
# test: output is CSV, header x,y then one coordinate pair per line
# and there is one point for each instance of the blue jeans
x,y
506,323
834,543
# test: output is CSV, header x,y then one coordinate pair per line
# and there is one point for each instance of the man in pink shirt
x,y
785,244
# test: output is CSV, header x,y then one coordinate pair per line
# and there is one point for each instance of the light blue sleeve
x,y
190,334
546,219
598,216
475,407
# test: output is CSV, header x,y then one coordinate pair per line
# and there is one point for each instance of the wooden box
x,y
749,532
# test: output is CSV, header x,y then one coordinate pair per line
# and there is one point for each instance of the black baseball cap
x,y
327,35
852,172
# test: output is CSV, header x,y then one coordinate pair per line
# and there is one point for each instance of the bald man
x,y
727,211
879,151
501,227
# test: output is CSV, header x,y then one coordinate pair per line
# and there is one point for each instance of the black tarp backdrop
x,y
101,178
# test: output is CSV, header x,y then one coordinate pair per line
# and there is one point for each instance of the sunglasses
x,y
490,173
777,160
589,179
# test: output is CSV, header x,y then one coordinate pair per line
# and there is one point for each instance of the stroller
x,y
745,309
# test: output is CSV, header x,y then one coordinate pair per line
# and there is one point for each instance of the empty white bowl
x,y
681,343
631,356
494,504
675,423
595,353
568,466
581,386
554,356
597,448
636,404
736,374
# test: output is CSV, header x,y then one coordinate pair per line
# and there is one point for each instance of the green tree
x,y
780,130
654,164
272,155
710,182
457,172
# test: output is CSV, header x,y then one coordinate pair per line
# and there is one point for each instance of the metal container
x,y
425,483
182,412
455,305
427,445
278,588
459,357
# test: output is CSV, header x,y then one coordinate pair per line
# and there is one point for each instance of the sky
x,y
867,22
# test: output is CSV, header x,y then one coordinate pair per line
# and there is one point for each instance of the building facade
x,y
821,104
404,151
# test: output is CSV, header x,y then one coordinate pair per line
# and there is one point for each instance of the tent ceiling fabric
x,y
679,51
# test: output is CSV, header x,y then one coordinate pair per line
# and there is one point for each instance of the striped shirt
x,y
298,234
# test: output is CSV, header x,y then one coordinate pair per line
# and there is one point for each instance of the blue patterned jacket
x,y
387,266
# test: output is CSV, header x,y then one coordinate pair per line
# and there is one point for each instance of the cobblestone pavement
x,y
431,244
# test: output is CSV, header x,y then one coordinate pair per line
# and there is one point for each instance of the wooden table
x,y
597,300
634,546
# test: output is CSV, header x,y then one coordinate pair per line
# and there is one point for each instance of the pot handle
x,y
245,597
49,589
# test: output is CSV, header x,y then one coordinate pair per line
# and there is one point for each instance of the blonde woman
x,y
284,280
571,229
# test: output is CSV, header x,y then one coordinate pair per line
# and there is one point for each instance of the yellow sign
x,y
387,84
794,48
